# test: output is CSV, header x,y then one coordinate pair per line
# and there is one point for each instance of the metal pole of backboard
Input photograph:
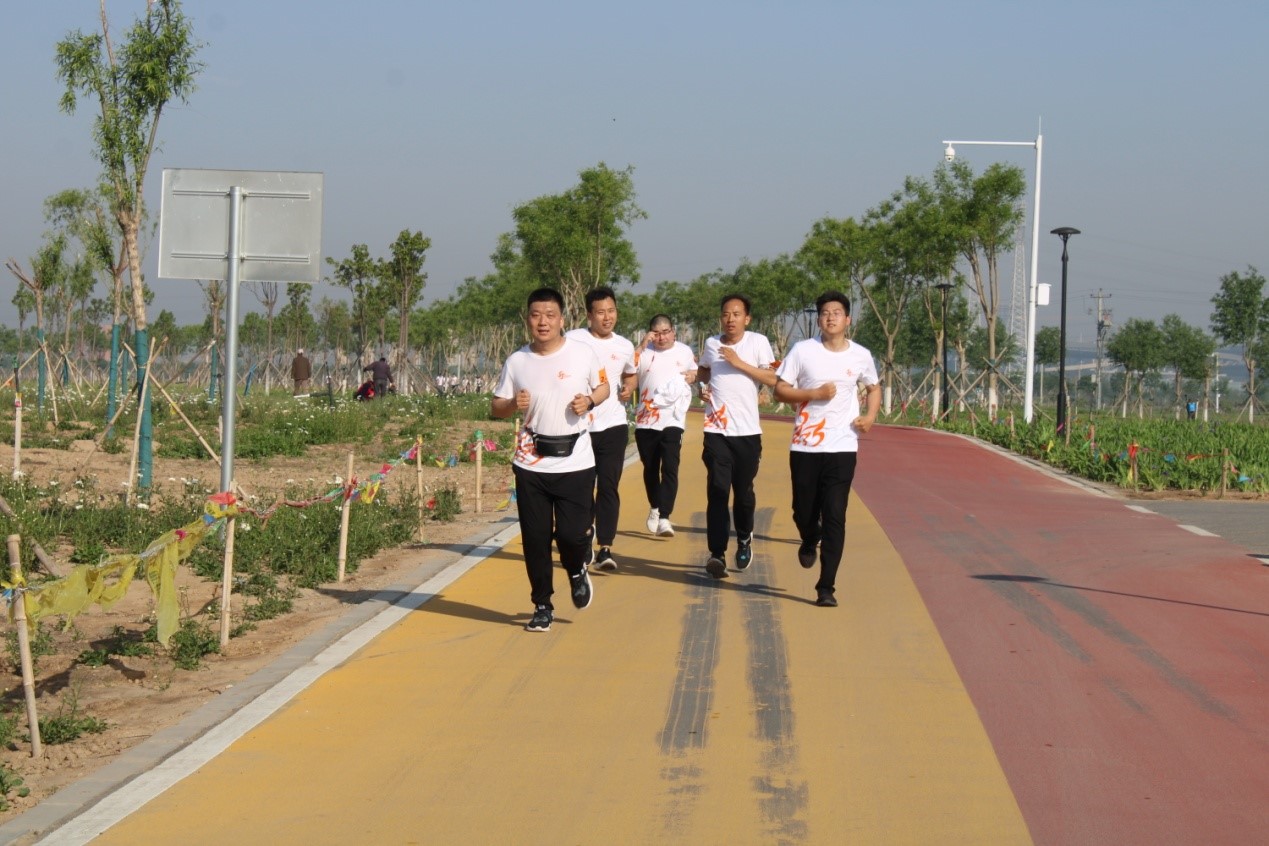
x,y
229,390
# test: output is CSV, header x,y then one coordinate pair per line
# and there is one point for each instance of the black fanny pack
x,y
554,446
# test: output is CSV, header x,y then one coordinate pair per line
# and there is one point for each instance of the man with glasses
x,y
665,370
822,378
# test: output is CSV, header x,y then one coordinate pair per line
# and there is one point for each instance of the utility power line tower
x,y
1018,295
1103,329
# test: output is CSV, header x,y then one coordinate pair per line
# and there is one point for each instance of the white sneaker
x,y
653,517
664,529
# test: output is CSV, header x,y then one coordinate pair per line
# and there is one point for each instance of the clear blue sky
x,y
745,122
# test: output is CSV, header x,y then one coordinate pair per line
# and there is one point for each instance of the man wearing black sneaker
x,y
822,378
555,383
609,427
736,362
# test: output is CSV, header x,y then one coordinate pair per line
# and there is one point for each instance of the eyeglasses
x,y
834,313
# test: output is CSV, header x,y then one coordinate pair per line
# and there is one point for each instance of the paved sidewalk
x,y
1015,659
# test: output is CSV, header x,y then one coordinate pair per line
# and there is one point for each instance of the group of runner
x,y
571,448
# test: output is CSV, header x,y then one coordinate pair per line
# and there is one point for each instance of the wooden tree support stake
x,y
343,518
24,647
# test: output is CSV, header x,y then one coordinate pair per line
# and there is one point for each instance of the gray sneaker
x,y
604,561
580,585
716,567
541,621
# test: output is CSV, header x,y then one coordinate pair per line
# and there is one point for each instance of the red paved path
x,y
1120,664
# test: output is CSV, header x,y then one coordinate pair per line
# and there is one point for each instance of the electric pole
x,y
1103,328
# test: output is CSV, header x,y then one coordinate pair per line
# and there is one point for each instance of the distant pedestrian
x,y
735,364
381,373
609,426
301,373
555,382
1191,409
822,376
665,370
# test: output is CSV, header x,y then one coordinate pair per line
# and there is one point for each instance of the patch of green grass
x,y
11,784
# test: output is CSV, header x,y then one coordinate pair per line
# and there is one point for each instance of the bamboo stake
x,y
24,646
227,581
343,518
177,408
17,436
18,369
43,557
418,475
52,390
480,452
136,432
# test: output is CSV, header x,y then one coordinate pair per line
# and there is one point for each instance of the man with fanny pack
x,y
555,382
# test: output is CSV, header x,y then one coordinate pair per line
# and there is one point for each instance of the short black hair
x,y
546,295
603,292
832,297
745,301
658,319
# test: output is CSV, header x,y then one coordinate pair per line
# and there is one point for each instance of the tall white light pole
x,y
1028,398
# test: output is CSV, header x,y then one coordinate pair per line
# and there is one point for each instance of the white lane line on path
x,y
1200,532
129,798
1139,508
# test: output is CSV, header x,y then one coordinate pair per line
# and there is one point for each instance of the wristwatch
x,y
590,404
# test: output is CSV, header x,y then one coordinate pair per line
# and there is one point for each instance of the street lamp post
x,y
944,288
1063,232
1028,396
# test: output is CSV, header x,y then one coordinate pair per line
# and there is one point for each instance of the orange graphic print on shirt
x,y
716,418
804,434
647,413
525,453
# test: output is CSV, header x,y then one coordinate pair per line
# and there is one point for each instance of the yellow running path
x,y
676,708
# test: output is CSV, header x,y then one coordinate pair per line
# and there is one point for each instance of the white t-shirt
x,y
661,401
552,380
824,425
616,354
732,409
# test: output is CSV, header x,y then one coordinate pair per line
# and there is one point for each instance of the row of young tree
x,y
950,229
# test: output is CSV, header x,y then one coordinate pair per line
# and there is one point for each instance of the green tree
x,y
297,318
48,273
357,274
983,214
1138,348
131,85
577,240
403,279
911,249
1048,351
1241,318
1186,350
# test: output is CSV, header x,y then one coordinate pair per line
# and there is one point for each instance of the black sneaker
x,y
604,561
806,555
744,553
541,621
825,599
580,585
716,566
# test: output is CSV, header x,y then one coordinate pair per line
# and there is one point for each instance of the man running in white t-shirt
x,y
822,377
735,363
555,382
666,369
609,428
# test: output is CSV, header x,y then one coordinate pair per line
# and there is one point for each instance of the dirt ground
x,y
138,696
